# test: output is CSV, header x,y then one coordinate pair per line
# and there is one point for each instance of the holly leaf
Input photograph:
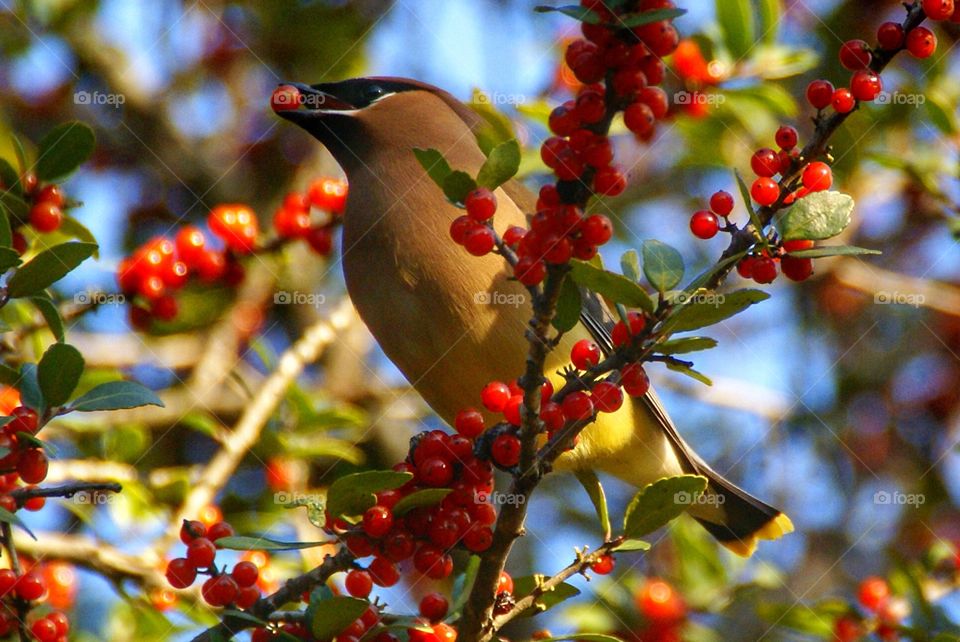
x,y
457,185
817,216
63,150
705,311
248,543
333,615
658,503
612,286
832,250
736,24
355,493
425,497
29,387
690,372
59,373
50,312
630,265
686,344
434,163
591,483
662,265
568,306
632,545
115,395
501,165
48,267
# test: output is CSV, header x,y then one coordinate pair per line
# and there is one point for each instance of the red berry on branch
x,y
603,565
291,222
817,177
45,217
219,530
607,396
590,107
32,466
434,472
608,181
796,269
479,240
577,406
585,354
181,573
764,270
765,191
704,224
721,203
44,630
938,9
50,194
634,380
765,162
201,552
921,42
866,85
383,572
434,607
890,36
495,396
873,593
236,225
245,573
786,137
358,583
658,602
481,204
286,98
855,54
328,194
620,334
377,521
639,118
219,591
797,244
530,271
469,423
24,420
30,586
820,93
505,450
191,530
843,100
563,119
511,412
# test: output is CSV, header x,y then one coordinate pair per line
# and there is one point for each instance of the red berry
x,y
50,194
505,450
219,591
820,93
855,54
847,629
201,552
479,240
890,36
921,42
434,607
938,9
608,181
621,335
787,137
796,245
634,380
585,354
358,583
164,308
563,119
434,472
383,572
866,85
765,191
377,521
8,579
45,216
511,412
247,596
30,586
495,396
481,204
44,630
590,107
24,420
659,603
286,98
320,239
478,538
577,406
765,162
469,423
191,530
607,396
764,270
245,573
530,271
505,583
796,269
219,530
639,118
292,222
817,177
873,593
704,224
656,99
181,573
721,203
597,229
328,194
843,100
32,466
236,225
190,243
603,565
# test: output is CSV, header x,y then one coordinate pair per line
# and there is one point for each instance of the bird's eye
x,y
372,92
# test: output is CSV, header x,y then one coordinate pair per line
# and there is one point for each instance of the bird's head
x,y
361,116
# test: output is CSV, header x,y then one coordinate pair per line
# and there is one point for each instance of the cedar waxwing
x,y
452,322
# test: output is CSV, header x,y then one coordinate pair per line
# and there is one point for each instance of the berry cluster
x,y
883,613
161,266
31,586
237,588
24,460
46,204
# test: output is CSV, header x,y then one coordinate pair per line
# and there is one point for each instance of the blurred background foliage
x,y
832,396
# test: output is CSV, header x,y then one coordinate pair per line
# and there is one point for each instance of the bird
x,y
452,322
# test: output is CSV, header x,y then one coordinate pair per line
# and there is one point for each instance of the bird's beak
x,y
311,104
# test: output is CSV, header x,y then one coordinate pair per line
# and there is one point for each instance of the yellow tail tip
x,y
774,529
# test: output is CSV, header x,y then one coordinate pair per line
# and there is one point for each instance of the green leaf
x,y
704,311
633,545
29,388
242,615
353,494
59,373
701,280
48,267
798,617
9,177
817,216
591,483
6,232
615,287
115,395
463,584
434,163
9,518
425,497
9,376
20,152
942,112
832,250
8,258
662,265
686,344
524,586
63,150
690,372
75,229
36,442
568,306
646,17
736,23
630,265
15,206
496,128
770,14
50,312
658,503
577,13
457,185
248,543
501,165
333,615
